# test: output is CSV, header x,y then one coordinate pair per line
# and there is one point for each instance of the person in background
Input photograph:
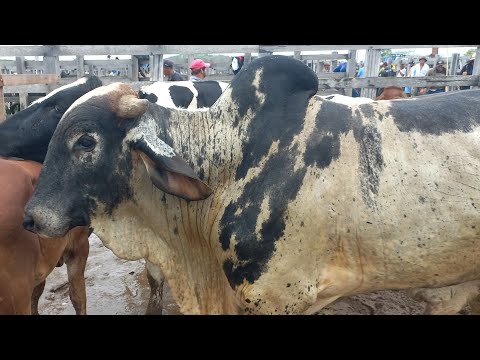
x,y
438,70
360,74
419,70
198,69
467,69
342,67
361,70
408,89
385,71
402,70
168,71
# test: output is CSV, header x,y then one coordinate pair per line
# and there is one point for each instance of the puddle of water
x,y
114,287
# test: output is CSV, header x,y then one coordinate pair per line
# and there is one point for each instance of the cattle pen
x,y
40,76
391,171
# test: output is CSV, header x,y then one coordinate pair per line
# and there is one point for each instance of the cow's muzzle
x,y
59,229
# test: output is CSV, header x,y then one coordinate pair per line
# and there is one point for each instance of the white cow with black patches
x,y
183,94
275,201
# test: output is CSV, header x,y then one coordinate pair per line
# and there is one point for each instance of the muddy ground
x,y
120,287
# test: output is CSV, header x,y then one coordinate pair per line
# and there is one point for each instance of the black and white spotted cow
x,y
237,64
26,134
274,201
183,94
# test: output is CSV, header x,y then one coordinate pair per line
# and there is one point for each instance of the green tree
x,y
386,52
470,52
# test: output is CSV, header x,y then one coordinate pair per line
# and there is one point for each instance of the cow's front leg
x,y
36,293
76,263
155,280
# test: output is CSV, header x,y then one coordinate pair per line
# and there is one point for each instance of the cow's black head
x,y
90,168
27,133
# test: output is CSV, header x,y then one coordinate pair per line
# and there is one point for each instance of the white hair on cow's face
x,y
146,130
50,94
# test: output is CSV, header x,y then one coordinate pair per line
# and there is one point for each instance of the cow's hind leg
x,y
156,281
447,300
37,292
320,304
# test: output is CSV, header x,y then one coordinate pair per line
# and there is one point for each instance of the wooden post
x,y
151,61
320,66
189,61
22,96
51,65
334,61
476,65
20,62
3,114
454,64
452,69
372,62
156,67
134,69
80,66
23,99
351,70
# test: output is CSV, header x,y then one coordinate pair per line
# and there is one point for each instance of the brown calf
x,y
26,259
391,92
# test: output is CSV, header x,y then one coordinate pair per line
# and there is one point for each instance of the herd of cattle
x,y
257,197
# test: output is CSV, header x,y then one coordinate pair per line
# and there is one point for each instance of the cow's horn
x,y
130,106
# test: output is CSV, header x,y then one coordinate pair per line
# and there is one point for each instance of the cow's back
x,y
385,198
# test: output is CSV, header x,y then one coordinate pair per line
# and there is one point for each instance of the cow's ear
x,y
169,172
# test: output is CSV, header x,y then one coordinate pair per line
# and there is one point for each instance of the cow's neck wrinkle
x,y
211,142
178,236
170,233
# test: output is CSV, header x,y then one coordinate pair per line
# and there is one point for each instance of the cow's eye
x,y
85,143
59,108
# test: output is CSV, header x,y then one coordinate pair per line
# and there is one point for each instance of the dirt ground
x,y
120,287
114,287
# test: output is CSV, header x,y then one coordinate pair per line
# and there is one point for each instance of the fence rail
x,y
128,70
